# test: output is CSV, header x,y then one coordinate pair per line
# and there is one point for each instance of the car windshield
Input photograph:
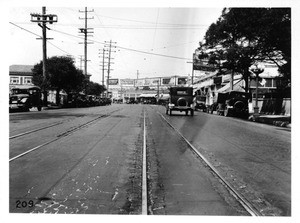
x,y
20,91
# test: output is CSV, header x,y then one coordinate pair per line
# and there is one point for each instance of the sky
x,y
141,35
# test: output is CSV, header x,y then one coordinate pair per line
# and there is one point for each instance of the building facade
x,y
20,75
132,89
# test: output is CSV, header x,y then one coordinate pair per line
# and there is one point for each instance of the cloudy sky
x,y
155,41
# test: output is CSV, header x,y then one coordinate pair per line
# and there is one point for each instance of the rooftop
x,y
20,68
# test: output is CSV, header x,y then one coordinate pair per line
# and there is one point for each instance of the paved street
x,y
90,160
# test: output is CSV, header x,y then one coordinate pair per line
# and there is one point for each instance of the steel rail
x,y
242,200
144,174
62,135
34,130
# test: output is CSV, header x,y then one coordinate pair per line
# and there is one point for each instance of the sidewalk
x,y
277,120
52,107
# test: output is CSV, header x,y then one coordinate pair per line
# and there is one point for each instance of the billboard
x,y
127,82
113,81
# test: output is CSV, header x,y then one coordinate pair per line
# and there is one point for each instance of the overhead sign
x,y
127,82
113,81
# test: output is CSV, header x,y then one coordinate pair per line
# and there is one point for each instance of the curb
x,y
277,120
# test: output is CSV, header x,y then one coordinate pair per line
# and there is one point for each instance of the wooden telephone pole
x,y
42,20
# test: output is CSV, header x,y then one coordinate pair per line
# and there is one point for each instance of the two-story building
x,y
20,75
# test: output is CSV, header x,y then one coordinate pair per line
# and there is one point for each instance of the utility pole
x,y
44,43
109,60
103,64
80,61
42,20
86,31
192,80
158,83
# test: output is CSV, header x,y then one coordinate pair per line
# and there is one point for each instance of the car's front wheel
x,y
226,112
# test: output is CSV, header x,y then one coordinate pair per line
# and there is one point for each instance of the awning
x,y
237,86
147,96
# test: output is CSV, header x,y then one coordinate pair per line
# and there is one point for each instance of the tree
x,y
94,88
63,75
244,36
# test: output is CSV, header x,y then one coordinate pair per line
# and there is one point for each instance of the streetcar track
x,y
144,173
34,130
252,210
84,155
65,134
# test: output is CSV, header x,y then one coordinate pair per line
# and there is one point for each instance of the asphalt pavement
x,y
97,169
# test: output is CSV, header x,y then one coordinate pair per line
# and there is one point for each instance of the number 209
x,y
24,204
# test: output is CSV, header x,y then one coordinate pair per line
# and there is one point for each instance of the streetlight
x,y
257,69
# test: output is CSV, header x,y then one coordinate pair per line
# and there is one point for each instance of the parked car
x,y
211,108
25,97
105,101
200,103
233,103
181,99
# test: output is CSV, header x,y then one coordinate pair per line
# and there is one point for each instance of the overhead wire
x,y
41,37
126,48
120,47
25,29
169,24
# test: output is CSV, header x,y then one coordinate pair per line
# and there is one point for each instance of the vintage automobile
x,y
200,103
25,97
181,99
233,103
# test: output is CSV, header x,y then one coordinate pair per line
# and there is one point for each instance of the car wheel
x,y
39,108
186,113
192,112
226,112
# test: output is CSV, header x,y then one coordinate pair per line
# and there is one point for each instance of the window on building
x,y
268,83
274,83
27,80
14,80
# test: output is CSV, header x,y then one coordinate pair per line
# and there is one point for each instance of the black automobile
x,y
200,103
233,103
25,97
181,99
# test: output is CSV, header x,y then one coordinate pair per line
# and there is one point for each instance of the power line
x,y
134,26
129,49
40,37
120,47
170,24
25,29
